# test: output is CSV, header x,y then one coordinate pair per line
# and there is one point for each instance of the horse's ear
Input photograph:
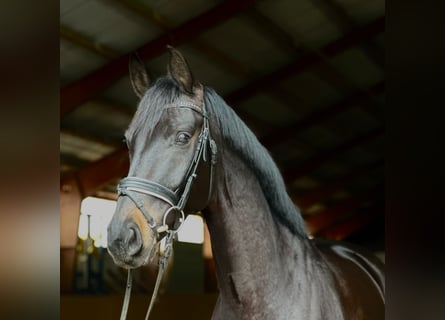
x,y
138,75
179,70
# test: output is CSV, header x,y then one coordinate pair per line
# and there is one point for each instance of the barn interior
x,y
305,76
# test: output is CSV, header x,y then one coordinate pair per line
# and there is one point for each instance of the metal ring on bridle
x,y
181,218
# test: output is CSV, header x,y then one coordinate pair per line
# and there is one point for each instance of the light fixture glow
x,y
100,212
82,232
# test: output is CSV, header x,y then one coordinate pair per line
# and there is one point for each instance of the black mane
x,y
242,140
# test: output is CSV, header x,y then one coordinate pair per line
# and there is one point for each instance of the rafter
x,y
305,168
290,131
342,229
217,56
333,48
319,194
282,39
338,15
317,222
307,61
96,174
80,91
273,32
85,42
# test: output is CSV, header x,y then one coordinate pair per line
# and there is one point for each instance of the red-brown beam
x,y
290,131
323,192
339,16
217,56
282,39
343,229
327,217
334,48
308,60
95,175
80,91
300,170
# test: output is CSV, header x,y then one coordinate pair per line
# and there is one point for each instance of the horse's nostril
x,y
134,240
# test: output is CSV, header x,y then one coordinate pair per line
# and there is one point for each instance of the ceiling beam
x,y
339,16
343,229
290,131
308,60
86,88
300,170
274,33
322,193
72,161
89,137
87,43
96,174
217,56
317,222
336,14
294,46
333,48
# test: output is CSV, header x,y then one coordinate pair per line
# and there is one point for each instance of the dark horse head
x,y
171,160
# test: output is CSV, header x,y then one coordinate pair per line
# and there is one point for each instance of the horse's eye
x,y
183,138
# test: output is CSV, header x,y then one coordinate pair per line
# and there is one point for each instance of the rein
x,y
132,186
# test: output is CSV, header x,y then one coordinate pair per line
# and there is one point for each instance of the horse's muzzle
x,y
125,244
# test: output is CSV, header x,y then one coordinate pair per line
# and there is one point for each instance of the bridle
x,y
132,186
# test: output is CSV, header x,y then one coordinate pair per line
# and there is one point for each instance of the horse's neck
x,y
258,260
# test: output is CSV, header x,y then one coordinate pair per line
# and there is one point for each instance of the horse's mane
x,y
236,134
242,140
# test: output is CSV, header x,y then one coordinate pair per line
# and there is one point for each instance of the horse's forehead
x,y
147,113
149,120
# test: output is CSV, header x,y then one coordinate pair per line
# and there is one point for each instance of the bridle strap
x,y
130,185
148,187
127,295
163,262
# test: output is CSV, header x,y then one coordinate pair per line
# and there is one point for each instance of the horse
x,y
190,152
